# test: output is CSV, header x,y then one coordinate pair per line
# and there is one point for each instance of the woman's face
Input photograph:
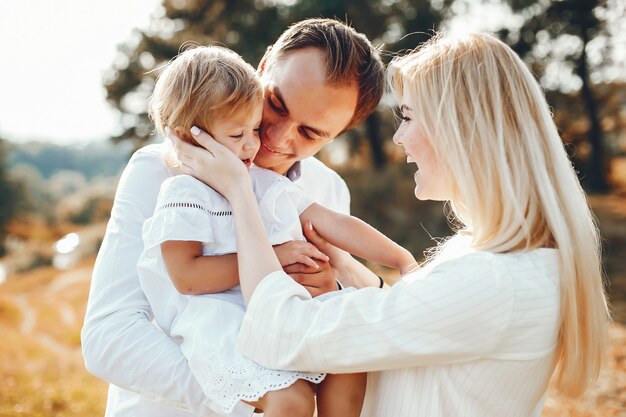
x,y
431,180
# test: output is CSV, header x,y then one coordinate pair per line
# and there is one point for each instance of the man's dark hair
x,y
350,58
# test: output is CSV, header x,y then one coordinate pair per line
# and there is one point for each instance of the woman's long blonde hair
x,y
514,186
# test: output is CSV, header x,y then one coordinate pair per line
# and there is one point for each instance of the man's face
x,y
301,113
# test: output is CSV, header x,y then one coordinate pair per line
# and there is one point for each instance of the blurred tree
x,y
10,196
556,35
248,27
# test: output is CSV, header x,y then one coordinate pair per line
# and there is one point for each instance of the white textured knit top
x,y
473,334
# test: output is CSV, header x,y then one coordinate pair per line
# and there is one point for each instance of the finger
x,y
312,236
204,139
299,268
312,251
303,259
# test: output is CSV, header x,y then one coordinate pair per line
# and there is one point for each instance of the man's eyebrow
x,y
279,96
315,131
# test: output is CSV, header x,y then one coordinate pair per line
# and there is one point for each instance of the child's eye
x,y
237,137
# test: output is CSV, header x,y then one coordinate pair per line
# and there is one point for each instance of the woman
x,y
515,296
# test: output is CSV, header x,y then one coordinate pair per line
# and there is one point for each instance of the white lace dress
x,y
207,325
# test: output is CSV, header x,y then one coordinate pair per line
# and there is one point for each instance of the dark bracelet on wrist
x,y
382,283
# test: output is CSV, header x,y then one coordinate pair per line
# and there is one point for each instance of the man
x,y
321,78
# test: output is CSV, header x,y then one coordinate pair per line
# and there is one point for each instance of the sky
x,y
53,55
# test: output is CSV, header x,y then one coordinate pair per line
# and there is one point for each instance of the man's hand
x,y
317,281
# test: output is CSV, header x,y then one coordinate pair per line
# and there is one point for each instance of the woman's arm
x,y
457,313
357,237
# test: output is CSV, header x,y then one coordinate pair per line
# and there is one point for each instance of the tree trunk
x,y
596,175
372,128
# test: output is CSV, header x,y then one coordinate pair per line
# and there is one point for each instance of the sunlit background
x,y
74,79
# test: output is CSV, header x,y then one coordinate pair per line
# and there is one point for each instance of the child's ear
x,y
183,133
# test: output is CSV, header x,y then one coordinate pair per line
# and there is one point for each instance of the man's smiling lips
x,y
272,150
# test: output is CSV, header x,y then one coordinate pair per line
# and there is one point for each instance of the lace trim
x,y
227,378
199,207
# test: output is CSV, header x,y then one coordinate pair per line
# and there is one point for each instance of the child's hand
x,y
298,251
407,263
335,255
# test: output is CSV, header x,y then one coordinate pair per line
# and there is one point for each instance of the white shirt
x,y
206,326
119,340
471,335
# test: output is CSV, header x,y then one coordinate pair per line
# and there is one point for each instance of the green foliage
x,y
247,27
10,197
548,27
93,160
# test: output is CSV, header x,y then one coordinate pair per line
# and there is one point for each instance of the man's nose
x,y
280,134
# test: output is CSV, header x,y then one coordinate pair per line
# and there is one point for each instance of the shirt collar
x,y
295,172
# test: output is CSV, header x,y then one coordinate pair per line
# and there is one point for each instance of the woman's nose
x,y
396,137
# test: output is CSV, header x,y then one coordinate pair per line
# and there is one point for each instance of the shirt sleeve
x,y
185,210
456,313
324,186
120,343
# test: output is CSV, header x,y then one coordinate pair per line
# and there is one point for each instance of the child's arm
x,y
194,274
357,237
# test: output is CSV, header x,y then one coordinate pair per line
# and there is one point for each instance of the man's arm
x,y
120,343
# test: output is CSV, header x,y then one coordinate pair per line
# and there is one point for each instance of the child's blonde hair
x,y
201,86
514,186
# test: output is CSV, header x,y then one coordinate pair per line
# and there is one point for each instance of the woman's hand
x,y
213,163
298,251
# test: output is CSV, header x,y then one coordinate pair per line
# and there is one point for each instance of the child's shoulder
x,y
185,188
263,180
262,175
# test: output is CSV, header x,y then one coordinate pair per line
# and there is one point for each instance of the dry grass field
x,y
41,313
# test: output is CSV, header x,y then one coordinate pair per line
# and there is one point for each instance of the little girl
x,y
214,89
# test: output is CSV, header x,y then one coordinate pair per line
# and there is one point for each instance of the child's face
x,y
240,134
